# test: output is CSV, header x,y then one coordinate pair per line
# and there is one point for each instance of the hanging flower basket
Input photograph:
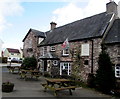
x,y
7,87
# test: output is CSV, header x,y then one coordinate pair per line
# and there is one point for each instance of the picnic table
x,y
58,84
29,74
13,69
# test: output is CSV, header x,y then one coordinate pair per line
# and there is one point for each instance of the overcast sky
x,y
17,17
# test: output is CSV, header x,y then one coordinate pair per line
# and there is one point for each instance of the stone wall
x,y
30,46
113,51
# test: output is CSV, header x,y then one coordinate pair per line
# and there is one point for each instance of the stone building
x,y
85,37
31,40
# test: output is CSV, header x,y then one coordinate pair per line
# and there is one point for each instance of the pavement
x,y
33,88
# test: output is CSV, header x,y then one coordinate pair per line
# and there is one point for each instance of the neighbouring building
x,y
1,43
85,38
12,54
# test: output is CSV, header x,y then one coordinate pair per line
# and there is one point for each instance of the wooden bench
x,y
29,74
58,89
13,69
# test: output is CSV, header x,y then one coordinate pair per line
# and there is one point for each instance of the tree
x,y
105,78
29,62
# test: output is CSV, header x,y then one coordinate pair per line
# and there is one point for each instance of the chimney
x,y
53,25
111,7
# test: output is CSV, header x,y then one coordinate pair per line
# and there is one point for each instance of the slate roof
x,y
113,35
36,33
91,27
11,50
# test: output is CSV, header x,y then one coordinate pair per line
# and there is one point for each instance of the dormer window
x,y
65,52
40,40
52,48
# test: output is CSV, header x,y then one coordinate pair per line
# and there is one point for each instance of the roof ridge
x,y
80,20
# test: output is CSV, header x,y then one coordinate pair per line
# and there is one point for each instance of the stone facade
x,y
114,52
30,46
74,47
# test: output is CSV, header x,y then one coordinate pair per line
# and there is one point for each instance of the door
x,y
65,68
45,65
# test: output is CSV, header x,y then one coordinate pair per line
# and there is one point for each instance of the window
x,y
44,50
40,40
85,50
86,62
65,68
12,53
65,52
55,62
52,48
117,70
29,50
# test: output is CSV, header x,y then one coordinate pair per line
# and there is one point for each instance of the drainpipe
x,y
92,57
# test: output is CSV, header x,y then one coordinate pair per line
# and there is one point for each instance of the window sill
x,y
65,55
52,51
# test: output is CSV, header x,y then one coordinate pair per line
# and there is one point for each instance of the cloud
x,y
73,12
8,8
67,14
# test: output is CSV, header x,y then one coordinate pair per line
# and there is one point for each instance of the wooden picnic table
x,y
29,73
13,69
58,84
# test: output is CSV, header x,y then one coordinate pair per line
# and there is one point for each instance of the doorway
x,y
45,65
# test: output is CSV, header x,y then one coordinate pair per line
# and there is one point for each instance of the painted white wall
x,y
119,9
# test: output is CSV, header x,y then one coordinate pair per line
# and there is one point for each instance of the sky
x,y
18,16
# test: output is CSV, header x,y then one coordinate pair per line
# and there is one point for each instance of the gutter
x,y
92,57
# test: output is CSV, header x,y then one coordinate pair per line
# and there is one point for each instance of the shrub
x,y
29,63
46,74
105,78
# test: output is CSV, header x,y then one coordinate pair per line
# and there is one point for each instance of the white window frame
x,y
69,67
52,48
55,62
64,52
44,50
85,48
117,71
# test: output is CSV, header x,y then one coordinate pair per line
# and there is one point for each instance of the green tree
x,y
29,62
105,78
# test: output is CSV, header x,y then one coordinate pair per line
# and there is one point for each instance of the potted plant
x,y
7,86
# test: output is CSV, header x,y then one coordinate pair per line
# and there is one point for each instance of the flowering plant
x,y
7,86
8,83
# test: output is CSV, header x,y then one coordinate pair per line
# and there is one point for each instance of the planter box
x,y
7,88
